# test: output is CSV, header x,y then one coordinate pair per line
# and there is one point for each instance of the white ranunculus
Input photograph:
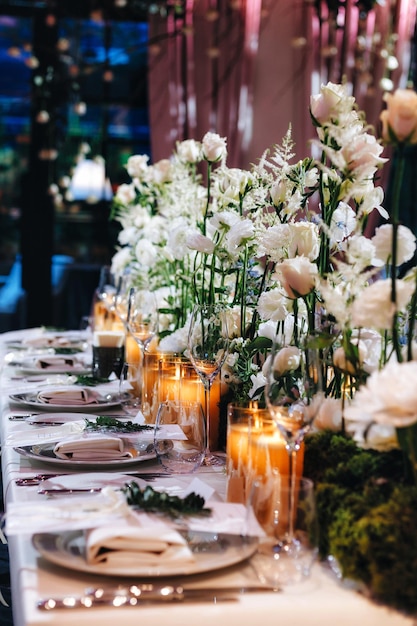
x,y
177,241
214,147
360,251
146,253
224,220
298,276
287,359
389,396
127,236
305,240
119,260
406,243
272,306
274,242
335,299
137,165
239,234
140,217
374,308
189,151
195,240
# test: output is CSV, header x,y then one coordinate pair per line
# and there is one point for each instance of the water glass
x,y
180,436
130,388
284,556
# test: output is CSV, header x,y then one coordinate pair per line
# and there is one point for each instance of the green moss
x,y
367,516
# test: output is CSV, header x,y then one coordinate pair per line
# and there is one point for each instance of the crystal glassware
x,y
208,344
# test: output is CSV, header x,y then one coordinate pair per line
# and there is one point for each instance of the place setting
x,y
73,398
124,527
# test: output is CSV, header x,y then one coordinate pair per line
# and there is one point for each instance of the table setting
x,y
215,566
252,394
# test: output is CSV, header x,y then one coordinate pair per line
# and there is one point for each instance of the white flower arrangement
x,y
283,245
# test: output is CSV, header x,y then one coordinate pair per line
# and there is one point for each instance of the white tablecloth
x,y
321,601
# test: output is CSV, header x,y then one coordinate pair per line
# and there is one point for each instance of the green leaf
x,y
148,499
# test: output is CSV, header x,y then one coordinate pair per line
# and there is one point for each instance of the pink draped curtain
x,y
246,68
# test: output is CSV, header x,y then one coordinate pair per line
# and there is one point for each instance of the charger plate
x,y
212,551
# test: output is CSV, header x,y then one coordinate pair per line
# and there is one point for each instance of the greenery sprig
x,y
148,499
107,422
90,381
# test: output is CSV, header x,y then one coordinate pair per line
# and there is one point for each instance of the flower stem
x,y
399,174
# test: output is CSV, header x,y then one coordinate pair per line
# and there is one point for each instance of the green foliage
x,y
112,424
367,515
148,499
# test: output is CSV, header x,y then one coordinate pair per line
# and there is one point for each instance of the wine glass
x,y
208,344
142,316
293,394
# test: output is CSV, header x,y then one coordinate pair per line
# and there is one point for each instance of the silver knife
x,y
136,595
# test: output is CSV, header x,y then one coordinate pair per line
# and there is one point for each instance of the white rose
x,y
406,243
305,240
374,309
363,151
137,165
389,396
341,361
125,193
329,415
272,306
325,105
298,276
286,360
400,116
161,172
189,151
214,147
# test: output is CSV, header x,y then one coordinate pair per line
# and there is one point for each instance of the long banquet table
x,y
321,600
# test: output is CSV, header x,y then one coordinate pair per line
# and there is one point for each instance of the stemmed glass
x,y
293,394
208,344
142,316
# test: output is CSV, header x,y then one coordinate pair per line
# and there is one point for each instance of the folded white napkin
x,y
65,397
93,447
59,364
111,547
48,340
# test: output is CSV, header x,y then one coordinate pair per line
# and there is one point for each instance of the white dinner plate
x,y
30,400
212,551
45,453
